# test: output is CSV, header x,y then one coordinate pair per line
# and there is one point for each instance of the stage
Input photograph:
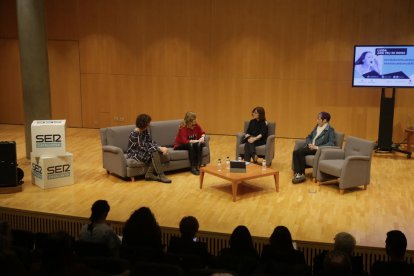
x,y
311,216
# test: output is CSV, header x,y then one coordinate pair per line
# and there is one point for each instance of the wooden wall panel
x,y
65,82
8,19
222,58
62,19
11,96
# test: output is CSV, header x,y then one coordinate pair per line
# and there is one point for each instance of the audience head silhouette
x,y
241,238
100,210
337,263
281,239
396,244
344,242
142,228
189,227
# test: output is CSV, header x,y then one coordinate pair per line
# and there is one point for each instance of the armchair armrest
x,y
112,149
270,140
239,137
207,141
355,171
331,153
299,143
270,149
318,155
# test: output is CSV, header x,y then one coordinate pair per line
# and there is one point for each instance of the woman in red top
x,y
190,137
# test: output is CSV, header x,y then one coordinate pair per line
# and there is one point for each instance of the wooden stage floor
x,y
387,204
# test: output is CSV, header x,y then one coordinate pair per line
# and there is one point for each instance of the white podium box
x,y
48,137
50,171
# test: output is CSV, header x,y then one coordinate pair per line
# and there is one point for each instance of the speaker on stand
x,y
8,167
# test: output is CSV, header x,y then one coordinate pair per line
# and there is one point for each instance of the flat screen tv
x,y
383,66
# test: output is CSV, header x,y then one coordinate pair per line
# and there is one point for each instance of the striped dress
x,y
141,146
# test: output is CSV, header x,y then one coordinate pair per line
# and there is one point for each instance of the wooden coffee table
x,y
252,171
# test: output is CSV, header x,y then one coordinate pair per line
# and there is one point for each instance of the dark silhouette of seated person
x,y
344,242
280,256
241,256
99,232
186,247
10,264
142,237
336,263
395,246
58,258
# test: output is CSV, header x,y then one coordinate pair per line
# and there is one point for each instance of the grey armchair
x,y
350,166
312,161
266,151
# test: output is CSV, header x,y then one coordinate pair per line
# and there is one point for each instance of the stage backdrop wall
x,y
111,60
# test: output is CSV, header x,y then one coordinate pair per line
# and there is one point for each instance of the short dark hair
x,y
261,111
189,226
325,116
142,121
100,208
396,243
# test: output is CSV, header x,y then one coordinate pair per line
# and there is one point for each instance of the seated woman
x,y
280,253
142,148
256,134
98,230
322,135
241,256
187,243
190,137
141,239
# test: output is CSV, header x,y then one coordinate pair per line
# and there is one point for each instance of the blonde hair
x,y
188,119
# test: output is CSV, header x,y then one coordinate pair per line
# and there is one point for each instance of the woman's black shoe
x,y
195,171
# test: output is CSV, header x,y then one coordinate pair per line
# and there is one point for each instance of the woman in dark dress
x,y
256,134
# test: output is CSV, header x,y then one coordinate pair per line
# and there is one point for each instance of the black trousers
x,y
195,152
298,158
250,149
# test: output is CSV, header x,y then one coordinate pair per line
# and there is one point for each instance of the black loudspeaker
x,y
8,152
8,164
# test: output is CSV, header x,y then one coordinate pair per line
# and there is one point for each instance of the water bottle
x,y
264,165
228,163
219,165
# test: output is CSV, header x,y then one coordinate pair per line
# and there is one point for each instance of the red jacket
x,y
186,134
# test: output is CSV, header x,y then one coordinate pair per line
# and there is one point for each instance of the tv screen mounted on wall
x,y
383,66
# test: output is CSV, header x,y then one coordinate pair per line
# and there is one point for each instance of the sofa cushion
x,y
332,166
164,132
118,136
177,154
132,163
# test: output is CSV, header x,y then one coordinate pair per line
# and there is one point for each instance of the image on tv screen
x,y
383,66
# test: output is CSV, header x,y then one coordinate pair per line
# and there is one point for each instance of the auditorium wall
x,y
110,60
